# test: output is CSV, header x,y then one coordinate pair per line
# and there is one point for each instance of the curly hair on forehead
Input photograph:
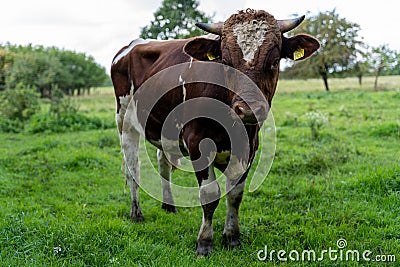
x,y
248,15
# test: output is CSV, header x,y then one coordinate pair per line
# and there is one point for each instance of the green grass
x,y
63,202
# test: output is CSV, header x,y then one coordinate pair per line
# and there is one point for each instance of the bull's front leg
x,y
209,193
231,235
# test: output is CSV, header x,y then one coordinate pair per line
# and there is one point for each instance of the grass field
x,y
63,203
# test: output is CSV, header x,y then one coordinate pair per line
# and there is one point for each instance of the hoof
x,y
230,242
137,217
204,249
169,208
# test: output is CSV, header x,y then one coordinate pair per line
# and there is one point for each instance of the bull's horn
x,y
215,28
289,24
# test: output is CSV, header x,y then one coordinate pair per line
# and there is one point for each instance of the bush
x,y
316,120
19,103
19,111
16,107
63,122
10,126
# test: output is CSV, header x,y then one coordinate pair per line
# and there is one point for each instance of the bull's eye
x,y
272,61
275,64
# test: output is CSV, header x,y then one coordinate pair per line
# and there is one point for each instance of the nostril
x,y
246,112
253,115
238,109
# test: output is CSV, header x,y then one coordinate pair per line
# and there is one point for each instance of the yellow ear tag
x,y
299,53
210,56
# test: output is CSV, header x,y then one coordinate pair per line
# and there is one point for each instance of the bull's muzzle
x,y
253,114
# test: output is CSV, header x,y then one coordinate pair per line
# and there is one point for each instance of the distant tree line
x,y
343,52
45,69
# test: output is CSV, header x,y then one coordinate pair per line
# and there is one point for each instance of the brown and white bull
x,y
251,42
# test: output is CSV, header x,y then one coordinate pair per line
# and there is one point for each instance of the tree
x,y
44,69
383,60
361,64
6,59
35,70
175,19
339,42
396,66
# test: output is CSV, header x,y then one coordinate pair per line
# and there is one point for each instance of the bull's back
x,y
141,59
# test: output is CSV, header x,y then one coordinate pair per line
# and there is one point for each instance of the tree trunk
x,y
324,74
42,95
325,78
378,72
360,79
376,79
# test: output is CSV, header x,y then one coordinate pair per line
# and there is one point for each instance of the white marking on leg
x,y
135,119
209,192
164,168
250,36
129,48
209,189
236,168
130,145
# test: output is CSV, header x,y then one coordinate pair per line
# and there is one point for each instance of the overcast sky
x,y
101,27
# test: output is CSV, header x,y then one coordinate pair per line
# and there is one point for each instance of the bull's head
x,y
253,43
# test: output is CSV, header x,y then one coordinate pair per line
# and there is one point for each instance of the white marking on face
x,y
250,36
129,48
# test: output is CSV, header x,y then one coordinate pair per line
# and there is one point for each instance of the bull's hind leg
x,y
130,145
164,168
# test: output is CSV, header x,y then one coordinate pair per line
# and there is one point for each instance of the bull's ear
x,y
299,47
203,49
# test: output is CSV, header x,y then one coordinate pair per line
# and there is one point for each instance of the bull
x,y
251,42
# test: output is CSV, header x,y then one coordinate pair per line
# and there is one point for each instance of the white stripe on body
x,y
129,48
